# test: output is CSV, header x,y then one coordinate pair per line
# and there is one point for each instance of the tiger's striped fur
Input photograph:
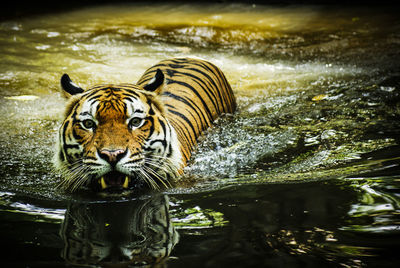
x,y
196,94
126,135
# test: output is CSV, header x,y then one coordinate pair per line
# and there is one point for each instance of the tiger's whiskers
x,y
74,176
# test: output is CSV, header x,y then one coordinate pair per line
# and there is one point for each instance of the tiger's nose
x,y
112,156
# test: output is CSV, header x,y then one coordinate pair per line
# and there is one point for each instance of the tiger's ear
x,y
69,87
156,83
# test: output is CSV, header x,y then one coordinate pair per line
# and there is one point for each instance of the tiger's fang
x,y
103,183
126,182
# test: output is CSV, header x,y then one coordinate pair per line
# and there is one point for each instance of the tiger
x,y
117,137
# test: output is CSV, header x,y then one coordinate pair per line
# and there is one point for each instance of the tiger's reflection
x,y
136,232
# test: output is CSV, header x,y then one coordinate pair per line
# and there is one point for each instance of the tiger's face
x,y
116,137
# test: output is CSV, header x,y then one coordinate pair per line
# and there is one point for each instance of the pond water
x,y
305,174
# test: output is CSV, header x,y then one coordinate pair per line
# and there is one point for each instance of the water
x,y
306,173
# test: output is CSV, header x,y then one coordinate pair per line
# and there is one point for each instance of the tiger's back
x,y
195,94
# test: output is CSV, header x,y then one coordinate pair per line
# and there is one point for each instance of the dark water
x,y
305,174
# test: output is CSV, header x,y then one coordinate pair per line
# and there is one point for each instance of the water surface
x,y
306,173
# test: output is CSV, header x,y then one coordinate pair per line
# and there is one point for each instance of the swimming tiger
x,y
128,136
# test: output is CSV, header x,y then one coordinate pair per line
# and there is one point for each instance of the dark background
x,y
23,8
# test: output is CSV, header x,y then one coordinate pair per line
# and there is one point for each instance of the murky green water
x,y
306,173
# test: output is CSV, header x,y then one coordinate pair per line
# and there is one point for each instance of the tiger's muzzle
x,y
114,180
112,156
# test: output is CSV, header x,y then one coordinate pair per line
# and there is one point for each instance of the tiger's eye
x,y
88,124
135,122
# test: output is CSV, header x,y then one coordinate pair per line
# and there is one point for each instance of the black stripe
x,y
71,146
164,142
151,119
94,164
205,66
111,104
171,131
195,92
113,89
186,120
227,97
181,60
90,94
61,156
129,98
125,108
135,154
120,106
75,135
162,126
134,161
74,113
178,129
205,88
65,145
151,110
185,101
132,92
66,124
168,148
93,98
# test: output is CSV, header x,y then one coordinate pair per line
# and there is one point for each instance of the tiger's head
x,y
116,137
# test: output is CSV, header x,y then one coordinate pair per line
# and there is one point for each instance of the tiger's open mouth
x,y
114,181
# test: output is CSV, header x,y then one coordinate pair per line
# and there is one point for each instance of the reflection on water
x,y
139,232
292,225
305,173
